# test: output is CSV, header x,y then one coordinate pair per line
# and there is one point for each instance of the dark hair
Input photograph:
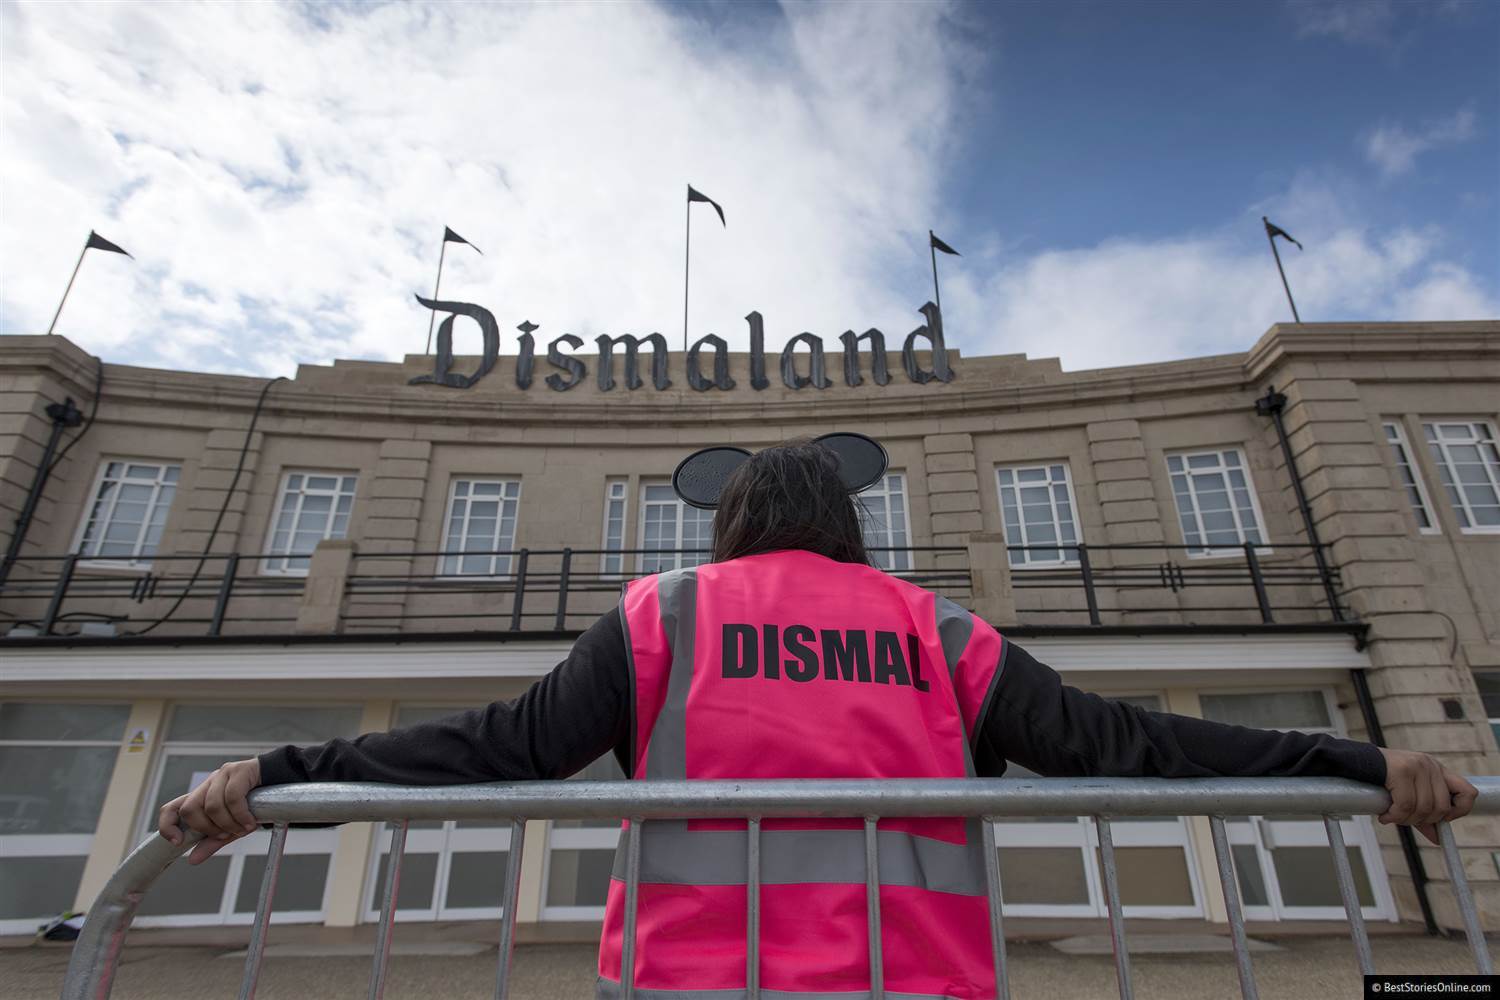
x,y
788,496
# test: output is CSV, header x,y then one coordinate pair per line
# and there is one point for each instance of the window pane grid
x,y
1411,483
481,520
669,525
883,520
614,528
314,506
128,513
1469,464
1215,501
1036,509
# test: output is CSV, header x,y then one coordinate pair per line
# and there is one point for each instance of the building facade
x,y
1305,535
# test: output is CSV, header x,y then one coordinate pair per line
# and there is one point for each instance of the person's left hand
x,y
216,808
1424,792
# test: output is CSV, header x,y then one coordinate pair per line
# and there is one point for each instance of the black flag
x,y
449,236
700,196
97,242
938,244
1273,230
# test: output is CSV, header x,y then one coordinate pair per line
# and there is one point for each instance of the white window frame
x,y
1458,499
1359,831
612,557
278,563
1028,560
135,562
500,566
1205,549
901,559
1405,461
675,557
53,845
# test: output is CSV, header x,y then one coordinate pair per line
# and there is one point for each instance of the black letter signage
x,y
789,374
933,331
575,368
442,363
632,348
721,378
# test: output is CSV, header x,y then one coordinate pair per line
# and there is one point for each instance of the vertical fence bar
x,y
632,905
562,590
1259,583
226,587
515,611
388,910
1086,570
1350,895
1232,904
59,594
752,913
997,920
510,898
872,909
1465,900
257,949
1116,911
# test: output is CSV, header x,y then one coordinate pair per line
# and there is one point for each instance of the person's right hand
x,y
217,809
1424,792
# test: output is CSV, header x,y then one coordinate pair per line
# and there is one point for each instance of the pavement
x,y
1299,966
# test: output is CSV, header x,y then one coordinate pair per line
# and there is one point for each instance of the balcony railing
x,y
559,591
96,954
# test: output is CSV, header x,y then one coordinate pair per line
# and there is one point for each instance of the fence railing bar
x,y
997,919
510,899
1350,894
632,905
257,948
1116,911
872,909
1232,904
388,910
752,912
1465,899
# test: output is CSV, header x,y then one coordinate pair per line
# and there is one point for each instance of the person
x,y
790,655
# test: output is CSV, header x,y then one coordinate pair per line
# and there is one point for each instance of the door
x,y
225,888
1283,864
1049,867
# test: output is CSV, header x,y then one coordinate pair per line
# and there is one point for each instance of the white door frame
x,y
446,841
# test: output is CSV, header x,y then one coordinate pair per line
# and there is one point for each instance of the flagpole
x,y
436,285
687,247
70,286
1282,271
937,295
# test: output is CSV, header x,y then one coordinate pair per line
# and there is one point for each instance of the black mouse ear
x,y
700,477
862,460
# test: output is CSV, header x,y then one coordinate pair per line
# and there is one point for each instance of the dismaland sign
x,y
571,370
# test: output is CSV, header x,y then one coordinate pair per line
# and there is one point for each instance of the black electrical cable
x,y
223,509
93,412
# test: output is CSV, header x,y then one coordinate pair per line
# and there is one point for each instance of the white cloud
x,y
1394,149
283,176
1358,22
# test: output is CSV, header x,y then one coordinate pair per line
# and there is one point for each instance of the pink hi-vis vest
x,y
791,665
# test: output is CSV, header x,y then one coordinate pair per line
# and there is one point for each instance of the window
x,y
56,762
1215,502
314,506
131,499
1489,692
1411,479
884,524
669,526
1470,466
613,561
481,520
1036,504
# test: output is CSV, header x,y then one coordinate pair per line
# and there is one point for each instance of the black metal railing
x,y
561,590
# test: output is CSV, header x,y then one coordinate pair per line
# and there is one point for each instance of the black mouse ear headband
x,y
700,478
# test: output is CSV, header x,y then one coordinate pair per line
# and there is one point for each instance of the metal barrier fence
x,y
97,951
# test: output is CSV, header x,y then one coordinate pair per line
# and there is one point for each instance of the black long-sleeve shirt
x,y
582,710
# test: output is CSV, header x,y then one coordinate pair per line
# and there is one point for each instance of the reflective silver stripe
x,y
798,857
635,715
677,599
608,989
955,626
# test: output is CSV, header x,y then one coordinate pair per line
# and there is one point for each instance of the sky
x,y
282,173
